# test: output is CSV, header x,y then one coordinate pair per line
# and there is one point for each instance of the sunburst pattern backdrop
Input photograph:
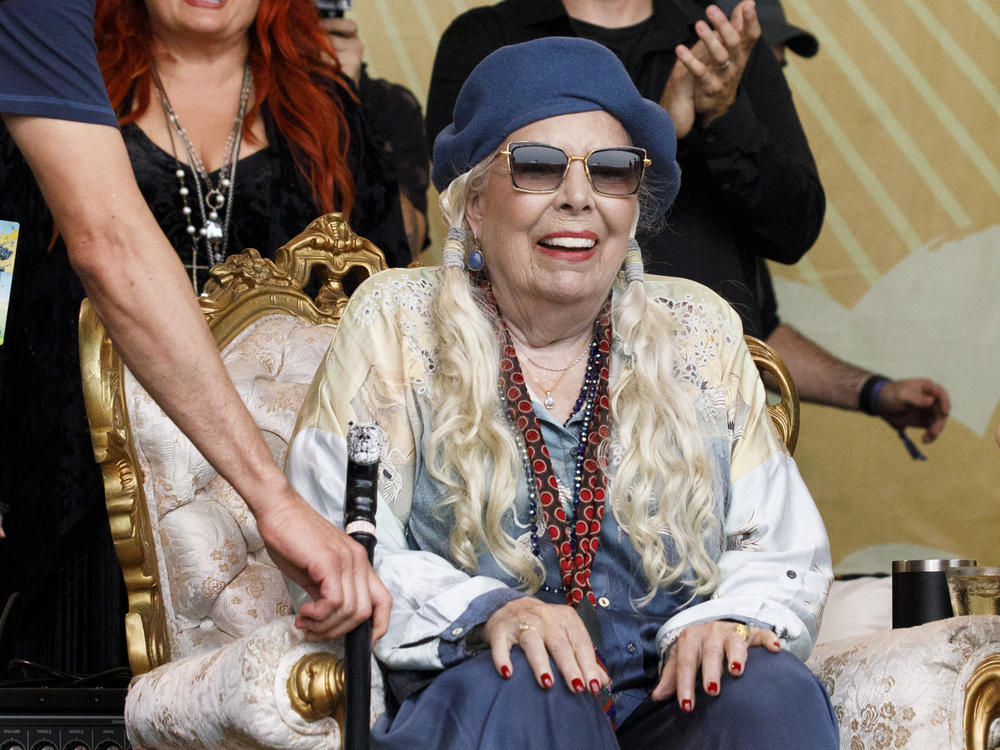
x,y
902,109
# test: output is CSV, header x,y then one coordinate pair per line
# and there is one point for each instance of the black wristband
x,y
868,398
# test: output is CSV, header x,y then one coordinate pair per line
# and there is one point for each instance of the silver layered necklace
x,y
215,201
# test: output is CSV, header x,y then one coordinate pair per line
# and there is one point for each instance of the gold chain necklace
x,y
549,402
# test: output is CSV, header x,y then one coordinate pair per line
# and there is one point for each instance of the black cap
x,y
777,30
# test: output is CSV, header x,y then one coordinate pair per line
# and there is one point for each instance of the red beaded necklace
x,y
575,539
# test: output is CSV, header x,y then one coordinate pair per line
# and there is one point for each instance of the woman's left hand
x,y
711,646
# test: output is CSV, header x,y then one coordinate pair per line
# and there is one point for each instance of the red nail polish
x,y
686,706
595,687
713,688
578,685
736,666
546,680
505,672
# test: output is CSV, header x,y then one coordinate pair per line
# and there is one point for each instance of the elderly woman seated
x,y
592,534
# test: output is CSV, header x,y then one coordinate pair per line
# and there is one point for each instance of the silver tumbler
x,y
920,591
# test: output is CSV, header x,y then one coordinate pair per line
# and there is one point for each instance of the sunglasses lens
x,y
535,167
615,171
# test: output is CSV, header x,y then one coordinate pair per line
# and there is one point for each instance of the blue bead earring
x,y
475,261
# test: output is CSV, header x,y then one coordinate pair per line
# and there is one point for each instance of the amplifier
x,y
62,719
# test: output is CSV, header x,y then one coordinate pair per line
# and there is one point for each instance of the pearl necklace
x,y
215,197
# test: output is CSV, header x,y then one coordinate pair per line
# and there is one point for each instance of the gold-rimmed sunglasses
x,y
539,168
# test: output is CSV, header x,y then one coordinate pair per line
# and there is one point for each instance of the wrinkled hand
x,y
348,45
706,77
917,402
542,629
330,566
710,647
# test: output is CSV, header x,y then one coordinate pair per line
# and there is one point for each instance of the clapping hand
x,y
706,76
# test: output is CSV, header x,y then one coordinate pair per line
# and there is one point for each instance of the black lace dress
x,y
59,553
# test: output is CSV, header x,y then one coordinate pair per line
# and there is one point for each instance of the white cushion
x,y
856,607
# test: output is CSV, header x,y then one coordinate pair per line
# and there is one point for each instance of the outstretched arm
x,y
823,379
137,285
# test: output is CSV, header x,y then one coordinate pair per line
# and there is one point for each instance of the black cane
x,y
360,500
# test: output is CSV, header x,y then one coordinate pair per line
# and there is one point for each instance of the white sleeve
x,y
776,570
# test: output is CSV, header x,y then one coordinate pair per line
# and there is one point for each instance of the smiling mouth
x,y
568,243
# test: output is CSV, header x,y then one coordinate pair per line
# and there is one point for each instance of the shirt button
x,y
604,602
458,631
791,573
630,647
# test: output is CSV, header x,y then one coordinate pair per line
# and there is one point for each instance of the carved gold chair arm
x,y
982,706
784,414
316,687
110,433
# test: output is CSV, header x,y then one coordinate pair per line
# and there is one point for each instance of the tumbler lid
x,y
928,566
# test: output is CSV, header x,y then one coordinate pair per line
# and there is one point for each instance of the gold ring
x,y
525,626
743,629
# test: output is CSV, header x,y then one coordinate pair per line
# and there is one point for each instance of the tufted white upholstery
x,y
220,583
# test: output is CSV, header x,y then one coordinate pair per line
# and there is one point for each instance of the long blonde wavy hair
x,y
662,485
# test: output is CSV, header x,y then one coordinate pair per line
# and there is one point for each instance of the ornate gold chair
x,y
216,659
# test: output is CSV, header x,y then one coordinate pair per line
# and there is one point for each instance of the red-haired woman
x,y
240,127
256,94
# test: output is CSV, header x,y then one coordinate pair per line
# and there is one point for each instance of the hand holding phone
x,y
344,36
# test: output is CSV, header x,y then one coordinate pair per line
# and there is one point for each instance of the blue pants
x,y
777,704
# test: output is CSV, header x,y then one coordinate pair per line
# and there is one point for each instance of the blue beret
x,y
547,77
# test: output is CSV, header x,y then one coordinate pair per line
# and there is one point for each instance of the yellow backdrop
x,y
902,108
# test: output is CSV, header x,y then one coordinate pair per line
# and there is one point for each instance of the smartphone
x,y
332,8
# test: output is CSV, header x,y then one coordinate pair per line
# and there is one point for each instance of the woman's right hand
x,y
542,630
